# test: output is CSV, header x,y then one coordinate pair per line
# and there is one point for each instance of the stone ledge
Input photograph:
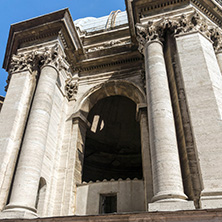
x,y
171,206
213,215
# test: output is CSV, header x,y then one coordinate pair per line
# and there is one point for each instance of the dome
x,y
92,24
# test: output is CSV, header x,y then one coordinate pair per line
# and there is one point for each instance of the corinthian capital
x,y
38,58
149,32
189,23
22,62
177,25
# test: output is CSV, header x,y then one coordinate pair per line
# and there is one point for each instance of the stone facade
x,y
118,114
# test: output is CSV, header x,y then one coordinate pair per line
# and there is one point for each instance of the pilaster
x,y
145,150
79,125
197,44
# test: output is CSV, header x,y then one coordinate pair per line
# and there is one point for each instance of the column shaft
x,y
27,176
12,123
167,179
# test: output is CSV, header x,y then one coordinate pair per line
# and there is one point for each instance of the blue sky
x,y
14,11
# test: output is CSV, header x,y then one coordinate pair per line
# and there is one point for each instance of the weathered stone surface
x,y
13,119
203,84
182,216
60,72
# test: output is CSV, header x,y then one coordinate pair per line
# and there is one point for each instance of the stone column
x,y
25,186
167,179
27,176
12,123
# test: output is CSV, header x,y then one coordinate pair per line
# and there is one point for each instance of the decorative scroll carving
x,y
148,33
216,37
143,78
71,88
22,61
154,30
37,58
188,23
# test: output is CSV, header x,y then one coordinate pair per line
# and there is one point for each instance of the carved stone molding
x,y
148,33
216,37
143,78
154,30
71,87
108,44
38,58
210,10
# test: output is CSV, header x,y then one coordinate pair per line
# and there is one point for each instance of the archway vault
x,y
113,144
109,88
124,155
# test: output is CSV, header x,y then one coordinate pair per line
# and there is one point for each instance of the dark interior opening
x,y
108,203
112,147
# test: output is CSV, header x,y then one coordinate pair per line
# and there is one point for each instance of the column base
x,y
169,196
171,205
18,212
211,202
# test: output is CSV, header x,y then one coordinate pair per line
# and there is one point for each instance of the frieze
x,y
154,30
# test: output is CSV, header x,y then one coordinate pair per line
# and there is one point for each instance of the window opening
x,y
108,203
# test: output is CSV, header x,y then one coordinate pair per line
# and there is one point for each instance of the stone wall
x,y
179,216
130,196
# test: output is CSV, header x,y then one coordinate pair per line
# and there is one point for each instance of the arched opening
x,y
113,145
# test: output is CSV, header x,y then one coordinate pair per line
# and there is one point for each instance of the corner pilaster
x,y
203,89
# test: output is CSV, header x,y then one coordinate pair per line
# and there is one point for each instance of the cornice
x,y
85,67
210,8
58,25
